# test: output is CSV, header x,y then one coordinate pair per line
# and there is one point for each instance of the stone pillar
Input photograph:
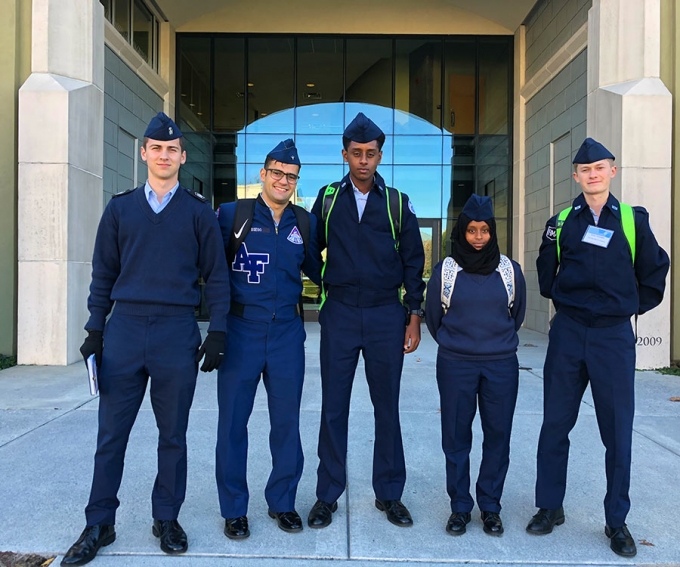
x,y
61,137
630,111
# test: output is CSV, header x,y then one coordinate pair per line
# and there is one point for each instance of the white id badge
x,y
597,236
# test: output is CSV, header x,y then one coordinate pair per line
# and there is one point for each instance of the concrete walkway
x,y
47,442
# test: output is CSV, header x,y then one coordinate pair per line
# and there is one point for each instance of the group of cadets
x,y
599,263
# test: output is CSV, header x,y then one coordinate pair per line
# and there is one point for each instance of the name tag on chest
x,y
597,236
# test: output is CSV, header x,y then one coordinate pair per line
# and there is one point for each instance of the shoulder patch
x,y
196,196
551,233
411,207
122,193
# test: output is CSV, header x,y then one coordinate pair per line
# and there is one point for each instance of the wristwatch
x,y
418,312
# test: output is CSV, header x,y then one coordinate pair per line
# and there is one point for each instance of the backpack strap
x,y
303,224
394,211
560,221
243,220
507,272
450,269
628,222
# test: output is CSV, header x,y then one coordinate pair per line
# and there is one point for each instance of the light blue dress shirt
x,y
151,198
360,198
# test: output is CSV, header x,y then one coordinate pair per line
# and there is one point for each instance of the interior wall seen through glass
x,y
443,104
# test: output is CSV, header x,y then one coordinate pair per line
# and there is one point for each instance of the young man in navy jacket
x,y
363,313
266,338
597,283
152,245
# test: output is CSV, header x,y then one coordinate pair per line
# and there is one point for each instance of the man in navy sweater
x,y
152,245
266,338
598,279
367,263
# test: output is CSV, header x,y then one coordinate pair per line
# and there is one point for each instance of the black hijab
x,y
473,261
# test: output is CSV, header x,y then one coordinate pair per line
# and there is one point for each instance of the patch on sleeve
x,y
551,233
411,207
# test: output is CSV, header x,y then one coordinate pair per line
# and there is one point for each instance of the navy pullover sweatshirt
x,y
361,261
152,262
265,274
477,325
601,283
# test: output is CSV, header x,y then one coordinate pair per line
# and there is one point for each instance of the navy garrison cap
x,y
362,130
285,152
592,151
162,128
478,208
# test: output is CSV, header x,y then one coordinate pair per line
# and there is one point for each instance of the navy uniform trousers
x,y
461,383
605,356
136,348
377,333
274,350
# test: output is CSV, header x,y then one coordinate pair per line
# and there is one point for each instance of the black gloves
x,y
94,344
213,349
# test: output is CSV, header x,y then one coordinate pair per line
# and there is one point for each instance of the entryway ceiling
x,y
503,16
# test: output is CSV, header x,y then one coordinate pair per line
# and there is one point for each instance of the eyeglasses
x,y
277,175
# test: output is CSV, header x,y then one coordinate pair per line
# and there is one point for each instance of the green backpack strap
x,y
628,222
560,221
329,197
394,211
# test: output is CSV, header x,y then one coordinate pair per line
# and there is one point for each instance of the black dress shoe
x,y
457,523
85,549
620,540
321,514
493,525
236,528
288,521
545,520
173,537
396,512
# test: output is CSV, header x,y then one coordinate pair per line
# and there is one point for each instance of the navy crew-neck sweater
x,y
152,262
477,325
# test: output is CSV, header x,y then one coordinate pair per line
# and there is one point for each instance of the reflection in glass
x,y
423,184
319,149
417,83
319,81
229,84
142,32
121,17
270,85
194,83
494,70
418,150
196,173
462,186
459,86
368,74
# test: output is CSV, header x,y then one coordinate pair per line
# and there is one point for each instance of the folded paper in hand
x,y
92,375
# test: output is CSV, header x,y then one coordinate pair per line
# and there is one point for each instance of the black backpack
x,y
243,217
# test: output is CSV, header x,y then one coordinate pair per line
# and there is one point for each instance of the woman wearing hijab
x,y
476,360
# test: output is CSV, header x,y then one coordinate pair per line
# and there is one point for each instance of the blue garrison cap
x,y
478,208
162,128
285,152
592,151
362,130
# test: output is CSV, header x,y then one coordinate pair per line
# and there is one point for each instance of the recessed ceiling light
x,y
251,84
183,94
310,85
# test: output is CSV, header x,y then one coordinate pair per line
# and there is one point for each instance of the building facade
x,y
492,99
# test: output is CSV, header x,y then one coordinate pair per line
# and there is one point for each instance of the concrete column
x,y
61,109
630,111
519,148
